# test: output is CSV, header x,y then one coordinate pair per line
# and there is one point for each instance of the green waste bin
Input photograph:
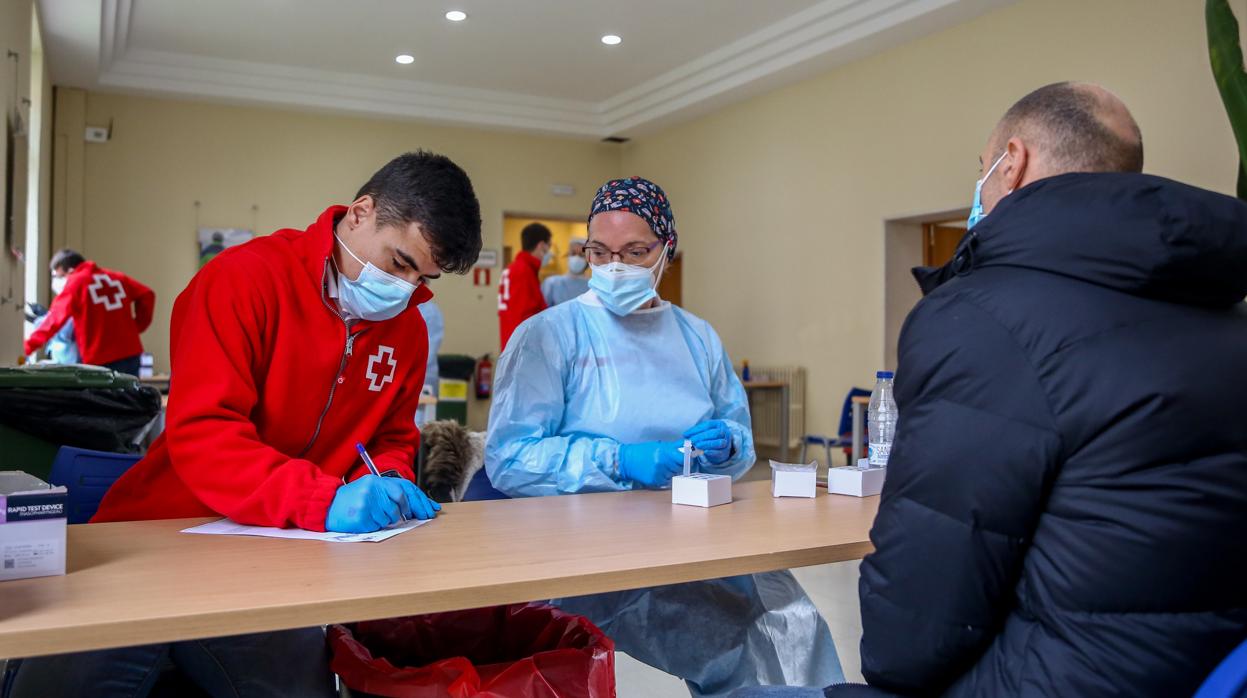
x,y
44,407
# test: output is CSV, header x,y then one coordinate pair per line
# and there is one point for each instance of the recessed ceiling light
x,y
611,40
456,15
404,59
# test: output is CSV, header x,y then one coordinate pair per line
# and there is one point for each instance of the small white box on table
x,y
32,527
856,482
794,479
701,490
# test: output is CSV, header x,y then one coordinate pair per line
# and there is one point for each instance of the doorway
x,y
924,240
562,231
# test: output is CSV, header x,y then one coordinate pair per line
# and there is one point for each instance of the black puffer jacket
x,y
1065,512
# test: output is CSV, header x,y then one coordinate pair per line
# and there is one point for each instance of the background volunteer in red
x,y
519,294
109,309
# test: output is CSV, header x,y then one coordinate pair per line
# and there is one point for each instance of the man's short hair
x,y
429,189
66,259
1067,120
533,234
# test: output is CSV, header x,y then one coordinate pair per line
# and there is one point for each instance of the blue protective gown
x,y
564,287
436,325
437,331
575,382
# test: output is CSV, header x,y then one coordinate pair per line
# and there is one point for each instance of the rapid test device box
x,y
32,527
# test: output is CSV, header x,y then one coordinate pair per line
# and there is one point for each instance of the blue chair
x,y
87,475
845,439
480,489
1229,679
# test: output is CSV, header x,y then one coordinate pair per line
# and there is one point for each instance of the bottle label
x,y
879,454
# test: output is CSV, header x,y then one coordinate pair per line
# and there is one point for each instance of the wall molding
x,y
822,29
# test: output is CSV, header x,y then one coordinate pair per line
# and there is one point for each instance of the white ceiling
x,y
534,65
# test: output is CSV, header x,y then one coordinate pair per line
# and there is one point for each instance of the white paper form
x,y
225,527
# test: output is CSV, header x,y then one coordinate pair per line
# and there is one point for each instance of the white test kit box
x,y
701,490
856,482
794,480
32,527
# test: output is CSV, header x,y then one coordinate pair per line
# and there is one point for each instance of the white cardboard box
x,y
856,482
701,490
794,480
32,527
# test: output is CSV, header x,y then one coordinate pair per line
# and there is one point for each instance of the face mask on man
x,y
576,265
58,284
376,295
547,257
623,288
976,211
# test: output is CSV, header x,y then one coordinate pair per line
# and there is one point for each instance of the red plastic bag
x,y
519,651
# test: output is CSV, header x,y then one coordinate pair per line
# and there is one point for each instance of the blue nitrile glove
x,y
714,439
651,464
372,503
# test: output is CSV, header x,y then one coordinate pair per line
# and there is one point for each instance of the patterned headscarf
x,y
644,198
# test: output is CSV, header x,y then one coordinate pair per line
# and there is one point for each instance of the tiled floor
x,y
833,588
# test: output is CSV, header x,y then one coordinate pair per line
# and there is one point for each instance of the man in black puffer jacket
x,y
1066,509
1065,512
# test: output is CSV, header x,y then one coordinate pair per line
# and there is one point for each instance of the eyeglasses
x,y
636,253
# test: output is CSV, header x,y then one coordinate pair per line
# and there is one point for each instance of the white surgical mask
x,y
58,284
623,288
576,265
376,295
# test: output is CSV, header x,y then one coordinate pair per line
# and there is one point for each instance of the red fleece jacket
x,y
271,390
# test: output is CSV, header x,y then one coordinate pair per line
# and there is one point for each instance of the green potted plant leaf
x,y
1226,55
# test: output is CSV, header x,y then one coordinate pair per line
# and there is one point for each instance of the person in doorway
x,y
564,287
598,395
436,324
109,310
1066,503
519,293
288,351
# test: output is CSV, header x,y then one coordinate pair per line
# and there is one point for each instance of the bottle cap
x,y
889,375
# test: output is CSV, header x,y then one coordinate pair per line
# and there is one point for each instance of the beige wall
x,y
16,35
781,201
130,203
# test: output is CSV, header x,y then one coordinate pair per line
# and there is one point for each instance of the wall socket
x,y
96,134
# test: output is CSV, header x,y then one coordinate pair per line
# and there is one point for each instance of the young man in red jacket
x,y
286,352
519,294
109,309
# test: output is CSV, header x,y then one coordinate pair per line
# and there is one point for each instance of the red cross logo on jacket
x,y
377,381
106,291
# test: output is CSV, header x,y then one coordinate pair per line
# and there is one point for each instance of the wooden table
x,y
144,582
785,408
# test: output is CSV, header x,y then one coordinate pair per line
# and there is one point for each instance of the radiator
x,y
764,405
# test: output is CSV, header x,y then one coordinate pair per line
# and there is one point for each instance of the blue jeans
x,y
129,365
263,665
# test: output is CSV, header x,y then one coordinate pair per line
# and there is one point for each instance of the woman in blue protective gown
x,y
598,395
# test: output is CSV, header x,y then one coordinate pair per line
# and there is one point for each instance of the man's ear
x,y
360,211
1014,166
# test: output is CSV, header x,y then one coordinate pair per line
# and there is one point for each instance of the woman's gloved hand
x,y
714,439
651,464
372,503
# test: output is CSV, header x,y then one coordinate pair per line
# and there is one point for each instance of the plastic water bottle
x,y
881,420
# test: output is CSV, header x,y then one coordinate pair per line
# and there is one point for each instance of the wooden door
x,y
940,243
671,286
